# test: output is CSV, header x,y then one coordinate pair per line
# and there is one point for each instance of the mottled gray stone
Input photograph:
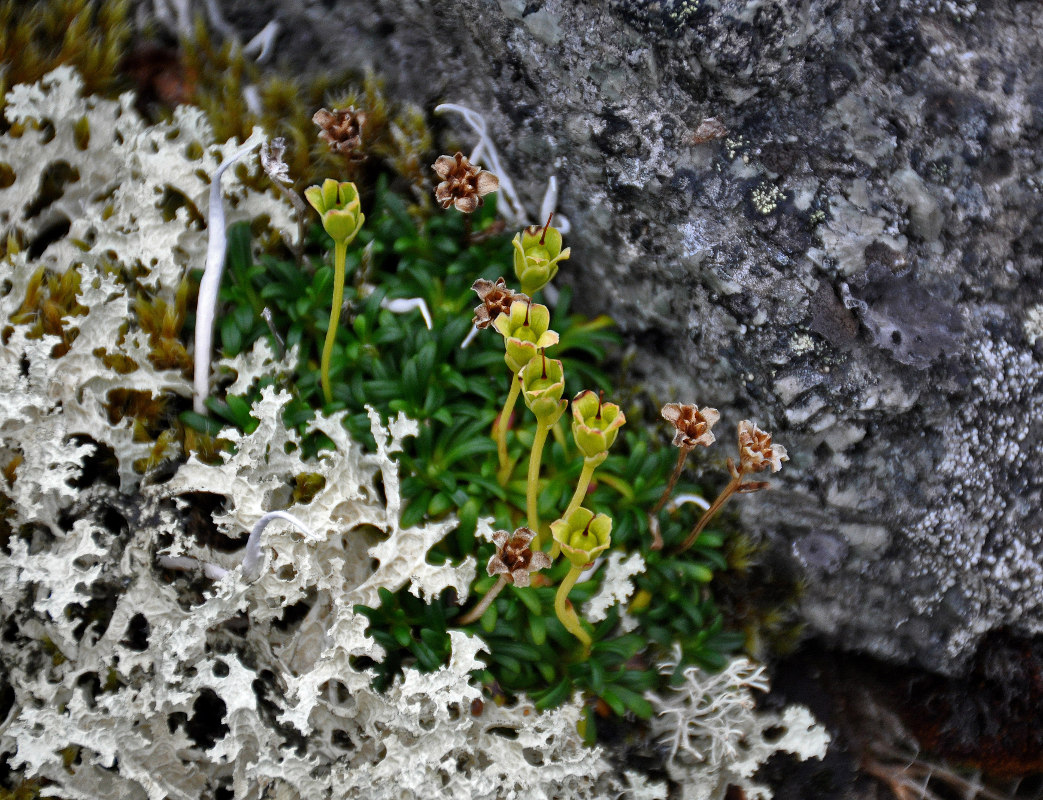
x,y
882,153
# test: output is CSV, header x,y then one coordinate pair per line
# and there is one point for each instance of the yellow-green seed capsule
x,y
583,536
339,208
594,423
537,252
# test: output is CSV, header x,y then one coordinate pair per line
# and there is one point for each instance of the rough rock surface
x,y
856,264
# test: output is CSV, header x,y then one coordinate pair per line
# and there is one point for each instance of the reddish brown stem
x,y
682,455
722,498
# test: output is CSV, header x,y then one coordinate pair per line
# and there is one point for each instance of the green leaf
x,y
402,634
489,619
529,598
231,337
597,676
554,696
614,701
632,700
538,630
436,640
238,254
211,427
427,657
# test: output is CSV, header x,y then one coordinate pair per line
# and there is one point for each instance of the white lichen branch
x,y
405,305
252,555
263,42
209,286
253,559
485,150
707,716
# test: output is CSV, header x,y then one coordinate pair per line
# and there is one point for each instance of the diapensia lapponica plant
x,y
579,534
575,516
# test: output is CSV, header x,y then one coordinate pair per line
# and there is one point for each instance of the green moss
x,y
36,37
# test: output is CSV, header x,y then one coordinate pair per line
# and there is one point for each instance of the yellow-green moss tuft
x,y
49,300
91,35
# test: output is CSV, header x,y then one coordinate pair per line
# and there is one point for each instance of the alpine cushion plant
x,y
393,363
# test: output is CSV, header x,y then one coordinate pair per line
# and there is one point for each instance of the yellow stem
x,y
566,613
483,604
340,250
532,489
500,430
589,465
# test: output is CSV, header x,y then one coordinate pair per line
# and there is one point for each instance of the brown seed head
x,y
515,558
756,452
463,184
341,130
692,425
496,299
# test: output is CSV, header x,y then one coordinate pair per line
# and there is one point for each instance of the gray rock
x,y
880,154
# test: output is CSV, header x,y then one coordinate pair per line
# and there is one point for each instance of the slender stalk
x,y
340,251
566,613
500,430
682,454
210,285
483,604
532,488
722,498
589,465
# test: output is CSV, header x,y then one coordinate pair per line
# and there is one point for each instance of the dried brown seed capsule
x,y
341,129
692,425
496,299
515,558
463,183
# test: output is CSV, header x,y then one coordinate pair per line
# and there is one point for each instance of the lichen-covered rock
x,y
856,262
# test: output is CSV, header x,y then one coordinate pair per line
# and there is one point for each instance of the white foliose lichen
x,y
129,680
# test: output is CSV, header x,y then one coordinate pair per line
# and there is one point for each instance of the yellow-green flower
x,y
543,383
583,536
525,332
594,423
339,208
537,252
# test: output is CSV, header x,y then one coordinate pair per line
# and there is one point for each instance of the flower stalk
x,y
532,487
543,382
582,537
756,454
341,214
500,430
340,252
566,613
476,613
585,476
